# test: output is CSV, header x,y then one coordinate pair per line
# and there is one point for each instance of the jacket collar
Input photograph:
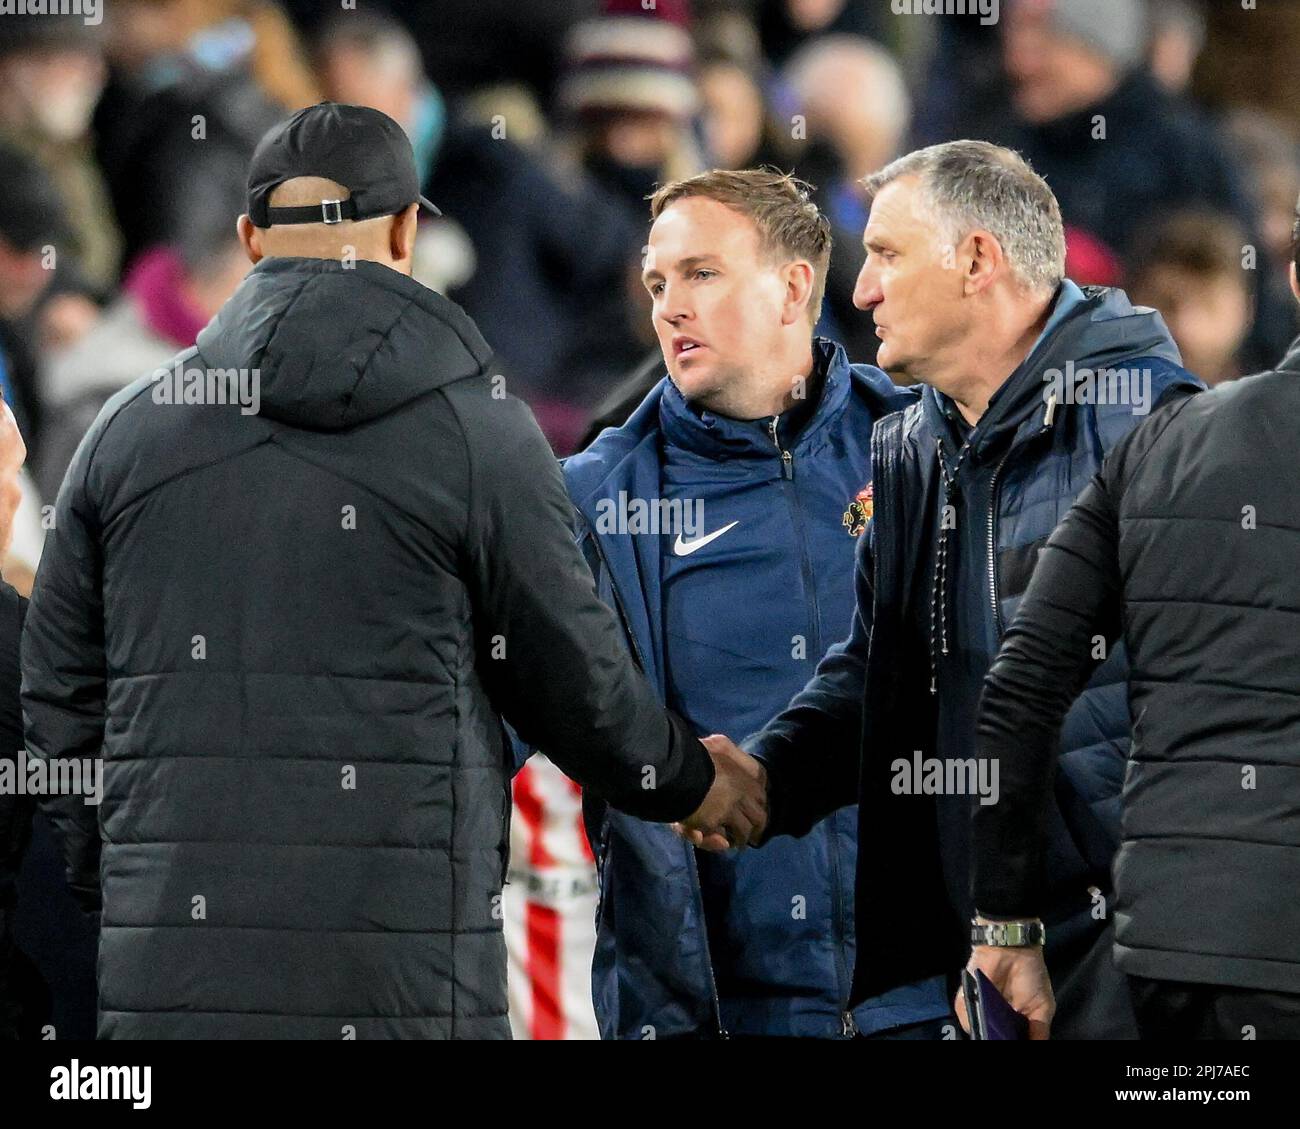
x,y
338,344
1007,406
610,461
1090,327
719,437
628,458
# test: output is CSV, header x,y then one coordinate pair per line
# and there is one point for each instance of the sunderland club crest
x,y
859,511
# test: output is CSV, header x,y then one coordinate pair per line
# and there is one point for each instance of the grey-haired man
x,y
964,278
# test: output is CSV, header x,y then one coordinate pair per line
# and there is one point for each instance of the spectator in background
x,y
1265,146
195,85
466,46
629,95
964,83
740,125
33,226
1177,37
536,253
1190,268
628,100
32,229
787,25
171,292
1116,148
1263,155
370,60
1265,149
377,58
51,75
857,110
735,116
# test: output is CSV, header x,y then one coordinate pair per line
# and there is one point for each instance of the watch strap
x,y
1008,934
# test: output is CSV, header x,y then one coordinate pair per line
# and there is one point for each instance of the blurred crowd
x,y
540,130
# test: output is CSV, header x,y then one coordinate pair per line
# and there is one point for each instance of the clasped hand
x,y
734,813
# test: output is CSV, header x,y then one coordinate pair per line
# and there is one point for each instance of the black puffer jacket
x,y
291,632
1207,876
1189,542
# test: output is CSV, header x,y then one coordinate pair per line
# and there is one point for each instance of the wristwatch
x,y
1008,934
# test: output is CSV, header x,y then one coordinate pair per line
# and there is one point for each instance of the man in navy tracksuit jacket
x,y
728,619
750,942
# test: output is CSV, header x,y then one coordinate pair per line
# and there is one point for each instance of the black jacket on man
x,y
47,947
956,525
1187,543
292,632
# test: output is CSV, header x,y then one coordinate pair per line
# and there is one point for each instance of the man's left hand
x,y
1020,974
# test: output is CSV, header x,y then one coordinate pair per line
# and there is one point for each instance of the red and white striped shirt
x,y
549,908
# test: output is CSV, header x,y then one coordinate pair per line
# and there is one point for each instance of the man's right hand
x,y
734,813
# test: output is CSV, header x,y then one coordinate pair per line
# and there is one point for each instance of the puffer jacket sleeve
x,y
551,653
1075,597
1047,656
63,665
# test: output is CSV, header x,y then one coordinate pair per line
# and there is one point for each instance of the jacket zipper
x,y
993,521
787,459
796,516
1048,416
698,890
708,956
848,1025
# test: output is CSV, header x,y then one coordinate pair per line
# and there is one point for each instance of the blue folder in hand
x,y
991,1017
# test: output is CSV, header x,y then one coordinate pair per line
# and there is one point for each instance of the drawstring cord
x,y
939,585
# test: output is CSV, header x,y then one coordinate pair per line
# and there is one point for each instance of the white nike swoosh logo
x,y
686,548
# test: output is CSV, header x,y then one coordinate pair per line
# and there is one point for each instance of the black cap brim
x,y
429,205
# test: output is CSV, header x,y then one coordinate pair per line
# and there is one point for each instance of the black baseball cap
x,y
359,147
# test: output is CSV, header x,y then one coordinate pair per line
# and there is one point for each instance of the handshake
x,y
734,813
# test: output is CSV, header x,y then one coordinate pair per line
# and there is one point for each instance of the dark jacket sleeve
x,y
1074,599
63,664
813,748
15,808
550,652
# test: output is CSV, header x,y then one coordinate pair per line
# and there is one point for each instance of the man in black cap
x,y
33,234
291,621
